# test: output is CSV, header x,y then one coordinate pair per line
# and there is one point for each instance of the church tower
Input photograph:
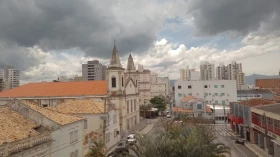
x,y
115,74
130,64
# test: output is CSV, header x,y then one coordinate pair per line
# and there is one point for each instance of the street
x,y
237,150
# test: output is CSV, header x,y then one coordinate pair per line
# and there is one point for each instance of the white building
x,y
213,91
221,72
158,90
240,80
220,112
189,74
207,71
93,70
166,82
10,77
154,77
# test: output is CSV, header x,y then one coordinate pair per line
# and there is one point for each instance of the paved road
x,y
237,150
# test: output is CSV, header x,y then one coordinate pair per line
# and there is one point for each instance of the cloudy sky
x,y
50,38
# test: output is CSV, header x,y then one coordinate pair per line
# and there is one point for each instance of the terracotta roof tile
x,y
188,98
57,89
14,126
256,102
80,106
208,109
57,117
181,109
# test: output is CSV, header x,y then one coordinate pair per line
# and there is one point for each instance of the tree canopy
x,y
158,102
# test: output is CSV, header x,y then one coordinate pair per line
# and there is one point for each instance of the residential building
x,y
240,116
164,81
222,72
240,80
212,91
193,107
11,77
248,87
102,120
272,84
266,128
1,84
189,74
154,77
74,78
93,70
158,90
254,94
29,130
207,71
233,69
144,84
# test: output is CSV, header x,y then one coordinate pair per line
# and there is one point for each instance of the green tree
x,y
158,102
97,150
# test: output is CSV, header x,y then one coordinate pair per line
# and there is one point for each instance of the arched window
x,y
122,81
113,79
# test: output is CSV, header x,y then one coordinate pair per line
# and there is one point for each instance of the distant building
x,y
1,84
272,84
254,94
213,91
221,72
10,76
189,74
69,79
207,71
93,70
240,79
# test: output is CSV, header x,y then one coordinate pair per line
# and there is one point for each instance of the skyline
x,y
53,38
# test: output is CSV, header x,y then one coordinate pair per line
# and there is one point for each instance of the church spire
x,y
115,59
130,63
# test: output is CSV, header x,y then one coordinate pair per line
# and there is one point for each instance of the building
x,y
144,84
74,78
220,112
189,74
272,84
240,80
93,70
101,118
254,94
29,130
11,77
248,87
233,69
164,81
1,84
207,71
212,91
193,107
154,77
158,90
265,130
221,72
240,116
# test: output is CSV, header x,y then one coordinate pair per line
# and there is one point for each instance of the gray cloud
x,y
212,17
88,25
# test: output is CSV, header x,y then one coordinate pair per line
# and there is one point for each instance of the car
x,y
168,116
167,111
131,138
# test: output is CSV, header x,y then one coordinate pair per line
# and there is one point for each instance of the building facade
x,y
207,71
221,72
189,74
10,76
93,70
240,80
1,84
213,91
272,84
254,94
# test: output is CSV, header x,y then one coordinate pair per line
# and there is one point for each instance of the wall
x,y
158,89
268,83
62,146
198,90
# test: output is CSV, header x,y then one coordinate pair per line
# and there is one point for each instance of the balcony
x,y
20,145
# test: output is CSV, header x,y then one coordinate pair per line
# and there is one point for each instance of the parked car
x,y
131,138
168,116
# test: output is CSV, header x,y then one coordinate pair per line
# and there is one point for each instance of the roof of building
x,y
273,108
60,118
185,99
208,109
256,102
14,126
58,89
79,106
181,109
255,91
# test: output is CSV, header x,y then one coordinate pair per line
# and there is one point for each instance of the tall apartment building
x,y
1,84
233,69
240,80
207,71
154,78
93,70
189,74
222,72
10,77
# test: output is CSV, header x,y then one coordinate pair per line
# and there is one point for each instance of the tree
x,y
158,102
97,150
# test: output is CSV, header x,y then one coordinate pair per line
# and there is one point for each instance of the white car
x,y
168,116
131,138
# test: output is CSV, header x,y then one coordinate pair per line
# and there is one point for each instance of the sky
x,y
47,39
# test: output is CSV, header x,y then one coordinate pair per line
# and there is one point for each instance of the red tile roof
x,y
181,109
208,109
256,102
58,89
188,98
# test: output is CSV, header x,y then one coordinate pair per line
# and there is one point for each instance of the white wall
x,y
158,89
198,90
61,145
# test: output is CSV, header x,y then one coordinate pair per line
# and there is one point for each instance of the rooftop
x,y
256,102
57,117
181,109
185,99
57,89
80,106
14,126
273,108
255,91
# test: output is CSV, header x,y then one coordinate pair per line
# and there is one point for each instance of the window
x,y
222,94
179,87
209,93
179,94
127,107
45,105
199,106
115,119
190,94
114,82
216,94
189,86
205,94
205,86
73,136
85,124
199,115
222,86
215,86
122,81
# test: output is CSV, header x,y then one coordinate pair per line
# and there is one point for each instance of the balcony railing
x,y
7,149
